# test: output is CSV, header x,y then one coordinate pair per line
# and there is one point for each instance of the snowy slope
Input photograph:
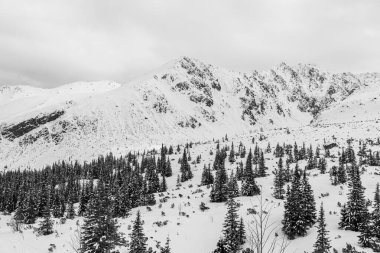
x,y
200,231
183,100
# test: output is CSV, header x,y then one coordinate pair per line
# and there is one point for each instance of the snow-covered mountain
x,y
183,100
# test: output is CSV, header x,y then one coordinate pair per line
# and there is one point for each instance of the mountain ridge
x,y
184,100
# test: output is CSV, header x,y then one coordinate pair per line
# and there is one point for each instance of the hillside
x,y
183,100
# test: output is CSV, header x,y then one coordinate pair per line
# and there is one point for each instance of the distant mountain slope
x,y
183,100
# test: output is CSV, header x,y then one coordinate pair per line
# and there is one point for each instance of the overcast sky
x,y
48,43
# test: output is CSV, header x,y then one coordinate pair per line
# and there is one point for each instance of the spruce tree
x,y
138,239
29,211
231,157
376,214
232,186
219,191
249,186
356,211
207,177
166,249
221,247
308,202
261,168
185,169
322,245
46,225
70,210
231,227
241,232
100,229
294,223
279,181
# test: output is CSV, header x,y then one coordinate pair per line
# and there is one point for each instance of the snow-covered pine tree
x,y
231,157
241,232
29,211
249,186
279,181
70,207
138,239
308,202
219,191
322,245
356,211
221,247
46,225
231,227
261,168
185,169
232,186
376,214
100,229
294,217
166,249
207,177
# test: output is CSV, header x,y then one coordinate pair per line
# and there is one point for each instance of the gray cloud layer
x,y
48,43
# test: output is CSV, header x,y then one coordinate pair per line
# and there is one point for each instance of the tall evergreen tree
x,y
185,169
207,177
138,239
219,191
294,223
100,230
279,181
231,227
241,232
322,245
308,202
249,186
166,249
46,225
232,186
356,211
376,214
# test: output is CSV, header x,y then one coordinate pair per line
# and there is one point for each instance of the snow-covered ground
x,y
200,231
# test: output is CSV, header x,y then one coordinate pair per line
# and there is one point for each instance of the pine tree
x,y
376,214
207,177
356,209
366,234
249,186
241,232
279,181
29,211
231,227
232,186
231,157
219,191
100,230
221,247
185,169
138,239
322,245
163,187
308,202
322,165
70,210
342,176
262,169
46,225
166,249
294,217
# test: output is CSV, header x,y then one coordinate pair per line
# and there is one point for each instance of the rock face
x,y
12,132
181,101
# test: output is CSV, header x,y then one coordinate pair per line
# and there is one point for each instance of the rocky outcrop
x,y
12,132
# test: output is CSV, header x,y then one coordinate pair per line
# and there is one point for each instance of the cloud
x,y
48,43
